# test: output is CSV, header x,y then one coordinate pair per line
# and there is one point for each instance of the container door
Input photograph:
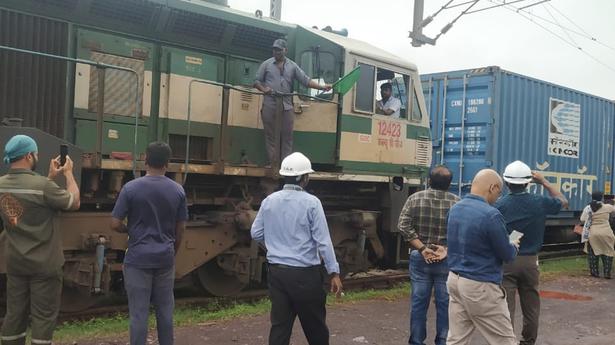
x,y
461,113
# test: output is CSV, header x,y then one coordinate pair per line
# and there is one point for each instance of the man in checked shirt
x,y
422,223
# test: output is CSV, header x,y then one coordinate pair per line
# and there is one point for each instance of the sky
x,y
495,37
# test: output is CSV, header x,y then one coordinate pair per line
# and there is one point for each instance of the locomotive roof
x,y
363,49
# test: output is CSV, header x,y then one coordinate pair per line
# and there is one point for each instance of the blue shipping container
x,y
489,117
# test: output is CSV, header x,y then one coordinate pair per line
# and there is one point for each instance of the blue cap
x,y
18,146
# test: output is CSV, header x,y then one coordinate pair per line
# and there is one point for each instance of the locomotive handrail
x,y
231,87
102,66
275,93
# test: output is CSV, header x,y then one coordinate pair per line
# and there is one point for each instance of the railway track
x,y
361,281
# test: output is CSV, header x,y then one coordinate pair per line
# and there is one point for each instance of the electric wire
x,y
565,41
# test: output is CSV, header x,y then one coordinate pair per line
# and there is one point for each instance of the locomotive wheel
x,y
217,282
76,300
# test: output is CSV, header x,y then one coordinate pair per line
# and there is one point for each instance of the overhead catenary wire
x,y
589,36
561,27
565,41
583,34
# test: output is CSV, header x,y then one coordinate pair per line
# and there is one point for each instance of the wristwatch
x,y
422,249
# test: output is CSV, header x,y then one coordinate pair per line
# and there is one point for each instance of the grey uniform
x,y
279,80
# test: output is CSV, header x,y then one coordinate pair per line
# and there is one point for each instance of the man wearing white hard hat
x,y
526,212
292,224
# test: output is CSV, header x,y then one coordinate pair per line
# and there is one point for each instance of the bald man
x,y
478,245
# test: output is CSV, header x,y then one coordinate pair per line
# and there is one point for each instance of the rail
x,y
100,111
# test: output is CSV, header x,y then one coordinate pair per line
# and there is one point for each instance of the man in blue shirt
x,y
526,213
478,244
293,226
156,209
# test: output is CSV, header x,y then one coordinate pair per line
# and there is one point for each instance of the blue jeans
x,y
424,277
150,285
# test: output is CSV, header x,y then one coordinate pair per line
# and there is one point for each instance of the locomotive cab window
x,y
320,66
364,91
392,94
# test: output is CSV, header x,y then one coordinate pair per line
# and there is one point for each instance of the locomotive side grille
x,y
422,151
130,11
246,97
63,4
33,88
255,39
119,85
197,25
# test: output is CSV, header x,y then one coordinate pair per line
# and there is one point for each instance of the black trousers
x,y
297,291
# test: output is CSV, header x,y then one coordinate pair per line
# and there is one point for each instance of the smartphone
x,y
515,235
63,153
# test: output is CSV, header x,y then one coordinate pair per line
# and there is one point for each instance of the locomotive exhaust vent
x,y
422,151
246,97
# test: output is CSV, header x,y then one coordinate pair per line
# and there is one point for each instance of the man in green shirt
x,y
29,204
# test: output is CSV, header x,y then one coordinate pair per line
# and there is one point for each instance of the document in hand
x,y
515,235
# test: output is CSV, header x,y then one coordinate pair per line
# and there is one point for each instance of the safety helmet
x,y
296,164
518,172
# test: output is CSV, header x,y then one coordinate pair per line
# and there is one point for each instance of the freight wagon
x,y
181,72
489,117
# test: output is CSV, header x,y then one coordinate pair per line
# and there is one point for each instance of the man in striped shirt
x,y
422,223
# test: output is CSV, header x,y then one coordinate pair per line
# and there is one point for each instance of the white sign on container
x,y
564,128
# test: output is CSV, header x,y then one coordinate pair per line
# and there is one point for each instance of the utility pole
x,y
418,38
275,9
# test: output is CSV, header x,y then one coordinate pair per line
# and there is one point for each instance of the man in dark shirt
x,y
29,205
276,75
527,214
156,210
422,223
478,244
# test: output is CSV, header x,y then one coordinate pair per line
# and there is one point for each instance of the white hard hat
x,y
518,172
296,164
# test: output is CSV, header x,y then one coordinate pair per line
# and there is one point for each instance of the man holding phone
x,y
34,257
526,213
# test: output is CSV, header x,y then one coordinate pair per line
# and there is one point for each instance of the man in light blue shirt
x,y
292,224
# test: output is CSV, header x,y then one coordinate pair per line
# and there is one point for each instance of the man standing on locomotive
x,y
29,204
292,224
422,223
276,75
156,210
527,214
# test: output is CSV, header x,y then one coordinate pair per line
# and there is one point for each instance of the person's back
x,y
152,220
156,210
527,213
293,226
34,242
29,206
298,210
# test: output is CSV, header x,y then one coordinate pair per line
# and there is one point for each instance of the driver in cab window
x,y
389,105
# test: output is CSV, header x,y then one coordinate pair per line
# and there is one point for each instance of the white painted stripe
x,y
22,191
13,337
38,341
70,201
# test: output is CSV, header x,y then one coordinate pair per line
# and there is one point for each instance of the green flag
x,y
347,82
